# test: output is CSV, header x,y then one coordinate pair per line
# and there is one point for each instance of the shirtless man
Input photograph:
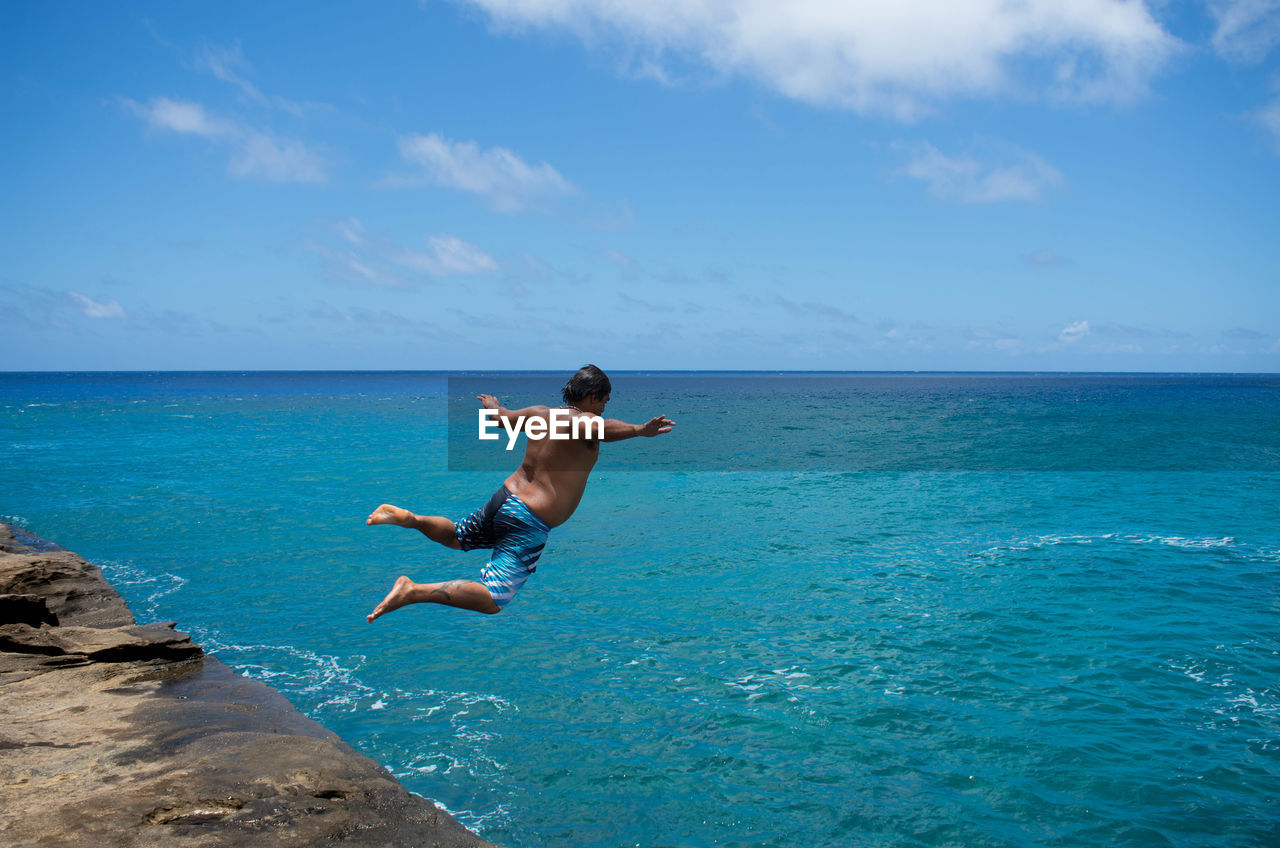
x,y
542,493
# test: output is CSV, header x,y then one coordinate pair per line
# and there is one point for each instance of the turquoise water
x,y
875,643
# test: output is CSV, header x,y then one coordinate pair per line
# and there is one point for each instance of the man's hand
x,y
654,426
489,401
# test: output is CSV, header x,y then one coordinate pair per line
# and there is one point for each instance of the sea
x,y
827,609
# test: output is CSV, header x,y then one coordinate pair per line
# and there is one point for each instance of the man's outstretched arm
x,y
616,431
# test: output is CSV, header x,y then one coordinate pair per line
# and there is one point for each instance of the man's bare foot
x,y
388,514
396,598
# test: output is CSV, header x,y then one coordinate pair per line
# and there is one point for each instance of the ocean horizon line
x,y
468,372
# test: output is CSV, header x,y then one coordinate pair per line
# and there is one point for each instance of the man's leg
x,y
463,594
434,527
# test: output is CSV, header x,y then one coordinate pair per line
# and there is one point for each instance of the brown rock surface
x,y
119,734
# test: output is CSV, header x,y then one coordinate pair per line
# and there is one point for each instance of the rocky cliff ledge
x,y
119,734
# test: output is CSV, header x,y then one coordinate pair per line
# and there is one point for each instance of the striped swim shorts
x,y
517,538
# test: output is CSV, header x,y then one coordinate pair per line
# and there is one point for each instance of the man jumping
x,y
542,493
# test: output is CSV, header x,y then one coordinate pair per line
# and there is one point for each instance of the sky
x,y
1064,185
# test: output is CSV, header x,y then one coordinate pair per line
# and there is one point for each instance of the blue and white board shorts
x,y
517,538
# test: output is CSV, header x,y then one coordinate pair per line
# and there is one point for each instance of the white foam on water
x,y
136,580
1231,701
499,816
326,683
790,682
1187,543
1182,542
322,678
321,684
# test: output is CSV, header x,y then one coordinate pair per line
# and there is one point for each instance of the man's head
x,y
589,382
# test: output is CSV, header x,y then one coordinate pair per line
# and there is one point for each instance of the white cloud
x,y
380,261
94,309
229,65
225,64
500,176
1016,175
363,271
1247,29
181,117
352,230
1074,332
276,160
891,56
448,255
253,153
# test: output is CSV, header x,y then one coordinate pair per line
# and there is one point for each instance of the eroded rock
x,y
119,734
26,609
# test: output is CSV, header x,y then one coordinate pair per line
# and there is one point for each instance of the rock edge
x,y
119,734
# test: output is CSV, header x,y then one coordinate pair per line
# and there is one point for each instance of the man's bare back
x,y
553,476
539,495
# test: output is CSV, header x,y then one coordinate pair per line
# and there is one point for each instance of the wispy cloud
x,y
1247,30
897,58
1074,332
94,309
502,178
277,160
254,154
1007,173
380,261
226,63
229,64
892,337
352,231
447,255
181,116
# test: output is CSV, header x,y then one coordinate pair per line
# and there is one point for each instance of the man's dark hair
x,y
589,381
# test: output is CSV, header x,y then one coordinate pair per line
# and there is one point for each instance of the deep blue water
x,y
828,610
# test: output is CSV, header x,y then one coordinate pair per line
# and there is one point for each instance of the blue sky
x,y
1065,185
